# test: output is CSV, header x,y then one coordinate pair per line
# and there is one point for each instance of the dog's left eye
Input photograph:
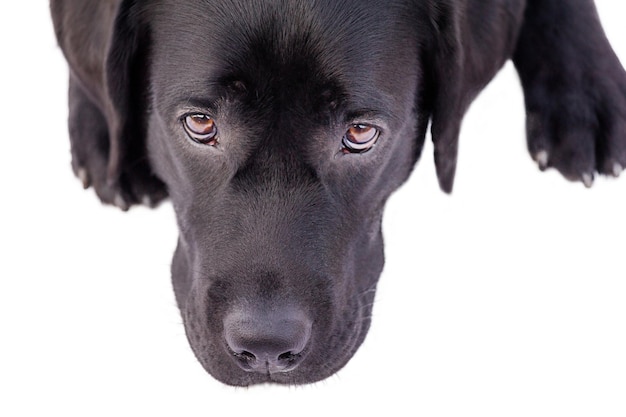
x,y
360,138
201,128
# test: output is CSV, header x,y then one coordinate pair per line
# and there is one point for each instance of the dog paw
x,y
130,182
121,192
579,126
91,172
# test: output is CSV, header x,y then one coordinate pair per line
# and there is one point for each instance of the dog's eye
x,y
201,128
360,138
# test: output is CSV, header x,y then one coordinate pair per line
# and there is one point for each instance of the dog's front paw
x,y
131,187
128,183
576,122
124,191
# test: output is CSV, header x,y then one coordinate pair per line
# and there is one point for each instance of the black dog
x,y
279,128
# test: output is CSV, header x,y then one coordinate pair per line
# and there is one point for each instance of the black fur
x,y
279,227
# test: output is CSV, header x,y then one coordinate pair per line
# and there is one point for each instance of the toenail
x,y
617,169
542,159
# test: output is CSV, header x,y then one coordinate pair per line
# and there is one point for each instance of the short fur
x,y
279,227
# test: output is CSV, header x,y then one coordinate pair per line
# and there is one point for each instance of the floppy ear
x,y
106,46
448,100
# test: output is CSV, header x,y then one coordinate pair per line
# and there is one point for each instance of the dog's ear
x,y
106,46
126,79
446,98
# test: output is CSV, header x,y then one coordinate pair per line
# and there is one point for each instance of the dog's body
x,y
280,128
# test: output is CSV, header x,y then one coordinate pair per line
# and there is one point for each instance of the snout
x,y
267,342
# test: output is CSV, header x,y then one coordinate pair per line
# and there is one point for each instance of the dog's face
x,y
280,131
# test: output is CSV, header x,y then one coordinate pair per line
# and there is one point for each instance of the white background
x,y
507,298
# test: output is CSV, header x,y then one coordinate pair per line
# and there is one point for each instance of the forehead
x,y
313,44
343,25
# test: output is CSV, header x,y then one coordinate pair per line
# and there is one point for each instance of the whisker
x,y
367,305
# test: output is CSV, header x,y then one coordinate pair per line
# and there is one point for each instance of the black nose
x,y
267,342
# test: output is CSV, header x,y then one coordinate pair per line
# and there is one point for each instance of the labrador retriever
x,y
279,128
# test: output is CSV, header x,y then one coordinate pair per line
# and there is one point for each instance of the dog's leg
x,y
107,99
575,90
90,147
89,138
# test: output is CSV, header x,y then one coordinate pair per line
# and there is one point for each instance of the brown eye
x,y
360,138
201,128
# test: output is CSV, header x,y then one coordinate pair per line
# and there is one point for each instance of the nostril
x,y
246,356
287,357
289,360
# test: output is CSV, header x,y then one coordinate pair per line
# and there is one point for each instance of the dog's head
x,y
280,129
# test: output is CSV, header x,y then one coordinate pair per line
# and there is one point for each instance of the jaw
x,y
340,310
325,359
334,341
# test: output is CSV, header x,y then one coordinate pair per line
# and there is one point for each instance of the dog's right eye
x,y
201,128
